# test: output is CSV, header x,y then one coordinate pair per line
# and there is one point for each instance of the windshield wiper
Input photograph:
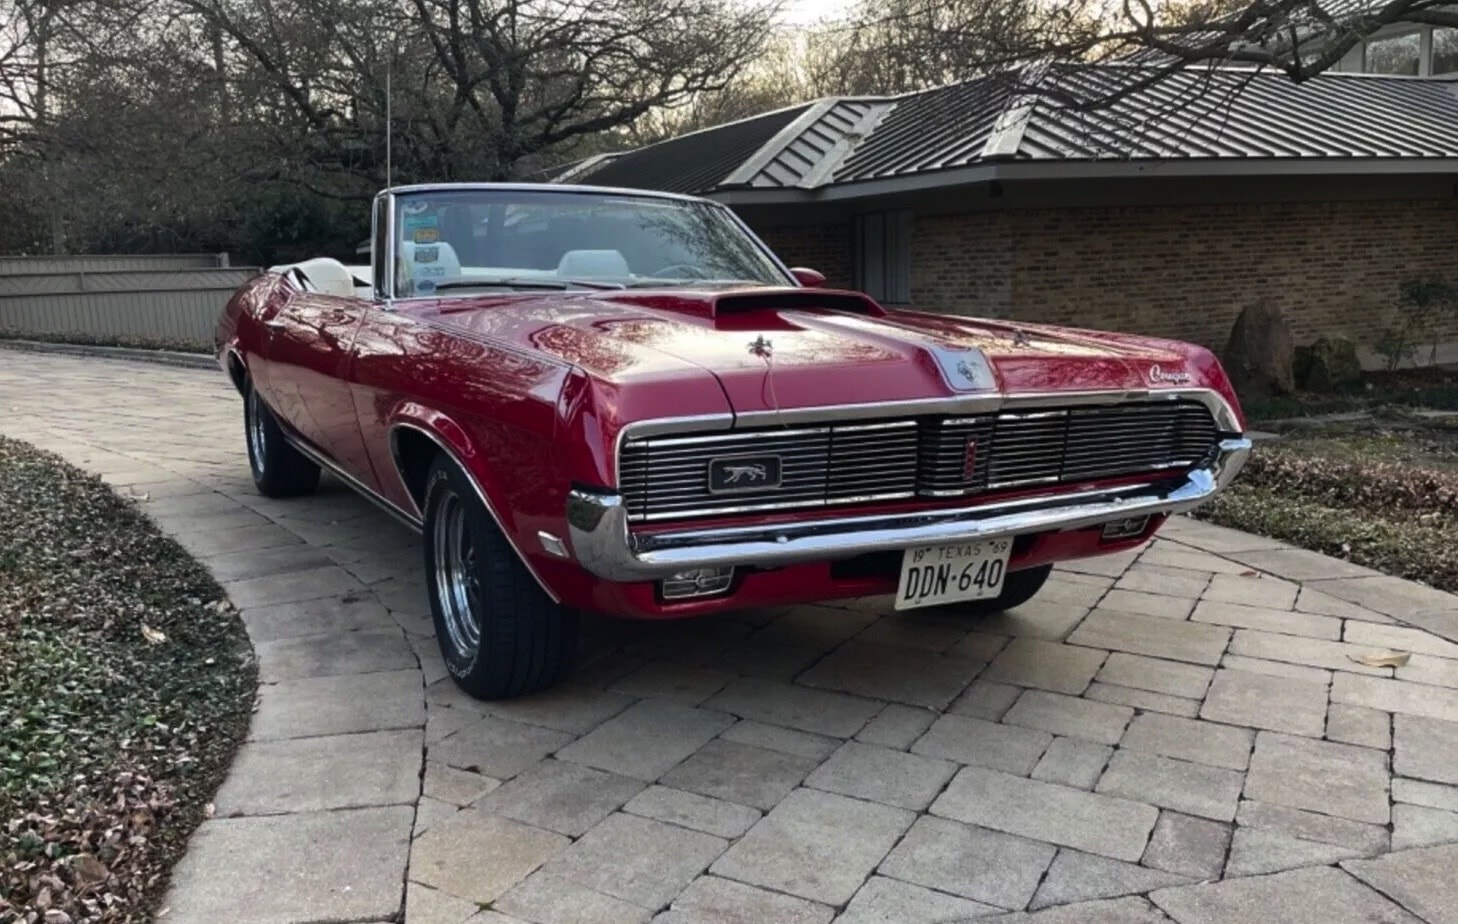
x,y
528,284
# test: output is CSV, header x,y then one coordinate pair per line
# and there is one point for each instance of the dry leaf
x,y
209,809
89,868
1383,659
153,636
1250,574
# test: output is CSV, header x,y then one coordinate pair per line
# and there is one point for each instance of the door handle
x,y
274,324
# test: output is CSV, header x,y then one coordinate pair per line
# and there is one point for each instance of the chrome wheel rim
x,y
256,435
457,586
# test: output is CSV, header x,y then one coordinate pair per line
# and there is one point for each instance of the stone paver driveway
x,y
1181,733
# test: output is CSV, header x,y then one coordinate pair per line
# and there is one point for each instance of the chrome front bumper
x,y
601,542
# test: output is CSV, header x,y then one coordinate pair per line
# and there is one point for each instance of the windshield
x,y
460,242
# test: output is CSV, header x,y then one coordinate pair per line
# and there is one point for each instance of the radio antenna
x,y
389,126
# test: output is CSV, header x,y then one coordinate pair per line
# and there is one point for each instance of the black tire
x,y
523,641
1017,588
279,470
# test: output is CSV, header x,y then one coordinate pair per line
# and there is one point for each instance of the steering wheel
x,y
682,271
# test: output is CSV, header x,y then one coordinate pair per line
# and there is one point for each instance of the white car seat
x,y
430,261
324,274
593,264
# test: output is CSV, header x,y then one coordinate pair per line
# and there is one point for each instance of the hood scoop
x,y
796,300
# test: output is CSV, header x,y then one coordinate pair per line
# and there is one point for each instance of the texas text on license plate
x,y
936,574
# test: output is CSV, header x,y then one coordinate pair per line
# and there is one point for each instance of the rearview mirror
x,y
809,278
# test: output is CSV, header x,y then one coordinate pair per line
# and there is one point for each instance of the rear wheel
x,y
1017,588
279,470
500,634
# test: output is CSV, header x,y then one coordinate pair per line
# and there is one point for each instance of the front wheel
x,y
500,634
1017,588
279,470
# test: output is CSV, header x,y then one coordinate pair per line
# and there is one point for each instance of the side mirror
x,y
809,278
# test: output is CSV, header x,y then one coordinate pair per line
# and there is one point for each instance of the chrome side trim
x,y
319,459
553,545
475,486
598,526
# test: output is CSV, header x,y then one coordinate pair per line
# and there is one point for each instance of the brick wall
x,y
1186,271
827,248
1171,271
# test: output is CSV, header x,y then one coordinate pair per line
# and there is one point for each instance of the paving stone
x,y
987,866
1364,838
1387,595
740,773
815,845
819,711
1313,652
1421,792
1091,822
779,738
1189,846
1195,789
1316,675
1038,618
1400,638
1286,622
545,897
312,584
1218,539
431,906
1438,672
637,859
882,775
1425,748
1142,699
1155,579
686,684
560,796
229,567
1076,877
339,706
1152,636
348,613
1172,678
723,901
1319,895
1252,590
1081,590
1073,762
986,700
1129,910
897,726
979,646
458,787
1255,851
1368,728
344,865
690,810
777,663
648,740
1421,880
922,629
1046,665
881,900
984,744
1301,564
572,707
479,855
497,748
1263,701
314,774
333,655
1311,600
1320,776
891,672
815,626
1187,739
443,721
1396,696
1105,565
429,812
1421,826
1148,604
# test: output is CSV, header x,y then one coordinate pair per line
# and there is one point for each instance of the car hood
x,y
791,348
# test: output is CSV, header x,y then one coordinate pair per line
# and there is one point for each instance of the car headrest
x,y
431,261
593,264
323,274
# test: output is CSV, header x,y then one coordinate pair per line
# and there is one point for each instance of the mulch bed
x,y
126,684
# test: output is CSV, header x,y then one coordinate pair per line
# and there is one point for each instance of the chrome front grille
x,y
858,462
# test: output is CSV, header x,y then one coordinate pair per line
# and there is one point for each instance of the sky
x,y
804,12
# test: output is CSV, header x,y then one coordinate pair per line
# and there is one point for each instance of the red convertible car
x,y
621,402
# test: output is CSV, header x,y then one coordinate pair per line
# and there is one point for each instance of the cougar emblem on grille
x,y
734,473
743,473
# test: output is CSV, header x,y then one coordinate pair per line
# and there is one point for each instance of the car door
x,y
309,363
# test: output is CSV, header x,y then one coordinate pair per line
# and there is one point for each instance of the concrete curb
x,y
134,354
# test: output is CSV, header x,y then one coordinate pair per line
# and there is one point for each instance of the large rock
x,y
1259,355
1328,365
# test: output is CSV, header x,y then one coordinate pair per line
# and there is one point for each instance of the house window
x,y
1445,51
1395,54
883,256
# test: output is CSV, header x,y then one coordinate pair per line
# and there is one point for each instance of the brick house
x,y
1165,212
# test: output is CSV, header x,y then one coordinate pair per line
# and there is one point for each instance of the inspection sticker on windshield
x,y
936,574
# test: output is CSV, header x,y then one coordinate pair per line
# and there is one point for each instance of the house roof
x,y
1206,116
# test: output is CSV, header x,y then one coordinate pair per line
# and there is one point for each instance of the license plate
x,y
936,574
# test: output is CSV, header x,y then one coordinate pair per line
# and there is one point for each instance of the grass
x,y
1380,492
126,684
